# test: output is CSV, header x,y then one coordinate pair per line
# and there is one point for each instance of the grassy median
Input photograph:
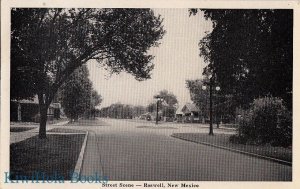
x,y
21,129
223,140
65,130
56,154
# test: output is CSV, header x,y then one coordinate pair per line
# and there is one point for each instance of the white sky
x,y
176,60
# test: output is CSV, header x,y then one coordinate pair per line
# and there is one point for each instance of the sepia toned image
x,y
105,95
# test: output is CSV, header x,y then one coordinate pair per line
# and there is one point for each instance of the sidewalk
x,y
91,160
20,136
60,123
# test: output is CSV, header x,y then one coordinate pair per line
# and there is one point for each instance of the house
x,y
57,110
28,110
189,113
179,115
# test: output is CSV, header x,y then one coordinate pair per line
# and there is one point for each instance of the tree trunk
x,y
43,122
43,106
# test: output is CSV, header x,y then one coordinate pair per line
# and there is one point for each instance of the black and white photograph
x,y
111,96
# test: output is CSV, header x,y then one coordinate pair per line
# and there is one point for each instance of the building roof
x,y
189,107
179,110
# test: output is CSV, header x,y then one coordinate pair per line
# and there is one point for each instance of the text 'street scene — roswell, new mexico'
x,y
103,95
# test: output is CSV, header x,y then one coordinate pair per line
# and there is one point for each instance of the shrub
x,y
266,121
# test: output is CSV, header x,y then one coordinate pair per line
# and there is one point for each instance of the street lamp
x,y
210,84
218,108
159,99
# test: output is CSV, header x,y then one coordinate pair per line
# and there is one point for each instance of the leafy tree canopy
x,y
168,106
49,44
76,94
96,99
199,96
223,104
250,52
168,97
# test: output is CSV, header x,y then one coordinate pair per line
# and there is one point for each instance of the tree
x,y
127,111
123,111
49,44
76,93
138,110
250,52
224,105
266,121
151,107
95,100
168,97
170,102
199,96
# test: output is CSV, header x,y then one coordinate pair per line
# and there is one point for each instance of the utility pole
x,y
211,84
159,99
157,103
210,108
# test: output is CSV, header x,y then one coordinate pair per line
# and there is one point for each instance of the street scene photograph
x,y
150,94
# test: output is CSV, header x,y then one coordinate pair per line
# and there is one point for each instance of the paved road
x,y
126,150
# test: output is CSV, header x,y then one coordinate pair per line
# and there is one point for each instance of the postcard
x,y
149,94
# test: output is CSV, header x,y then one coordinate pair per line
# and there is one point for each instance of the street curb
x,y
239,151
60,123
78,166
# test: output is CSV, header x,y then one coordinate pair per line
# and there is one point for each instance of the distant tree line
x,y
121,111
167,108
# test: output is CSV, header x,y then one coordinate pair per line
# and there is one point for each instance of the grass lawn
x,y
223,140
63,130
20,129
56,154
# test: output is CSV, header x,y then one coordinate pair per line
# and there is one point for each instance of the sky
x,y
176,60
